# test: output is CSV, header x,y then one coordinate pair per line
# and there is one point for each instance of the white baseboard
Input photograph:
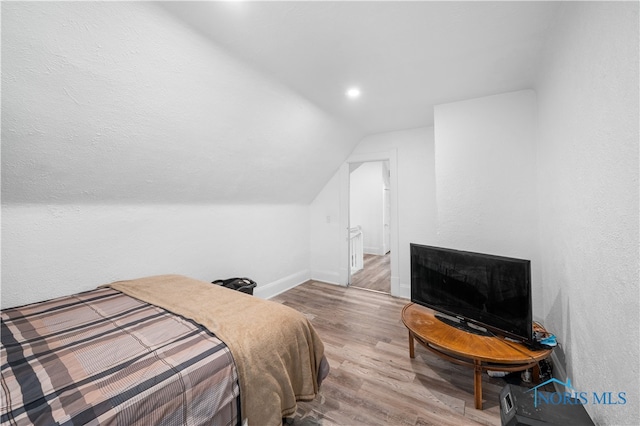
x,y
377,251
330,277
272,289
405,290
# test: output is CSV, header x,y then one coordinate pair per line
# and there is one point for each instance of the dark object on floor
x,y
244,285
546,372
518,407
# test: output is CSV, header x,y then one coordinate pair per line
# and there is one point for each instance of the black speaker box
x,y
517,408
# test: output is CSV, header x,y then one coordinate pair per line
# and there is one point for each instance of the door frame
x,y
392,157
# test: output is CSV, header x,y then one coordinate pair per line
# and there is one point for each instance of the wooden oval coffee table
x,y
482,353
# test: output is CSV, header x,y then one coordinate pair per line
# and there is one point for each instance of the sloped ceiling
x,y
234,102
406,56
119,102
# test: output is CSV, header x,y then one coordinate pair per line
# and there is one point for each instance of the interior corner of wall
x,y
274,288
559,370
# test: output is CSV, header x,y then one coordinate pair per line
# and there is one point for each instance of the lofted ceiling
x,y
235,102
405,57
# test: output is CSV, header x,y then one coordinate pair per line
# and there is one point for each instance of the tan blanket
x,y
276,350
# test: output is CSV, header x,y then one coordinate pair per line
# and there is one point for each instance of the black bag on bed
x,y
244,285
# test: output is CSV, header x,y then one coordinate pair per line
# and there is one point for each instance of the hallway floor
x,y
376,274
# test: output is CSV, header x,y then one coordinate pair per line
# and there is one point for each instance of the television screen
x,y
491,291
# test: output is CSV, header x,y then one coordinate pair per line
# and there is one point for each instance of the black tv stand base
x,y
462,325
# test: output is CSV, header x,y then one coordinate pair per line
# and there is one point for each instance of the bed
x,y
157,350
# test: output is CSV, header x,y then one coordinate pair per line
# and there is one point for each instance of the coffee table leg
x,y
477,384
412,353
536,374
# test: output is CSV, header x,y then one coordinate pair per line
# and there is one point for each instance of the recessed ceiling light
x,y
353,92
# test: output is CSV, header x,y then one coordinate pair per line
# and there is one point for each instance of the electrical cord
x,y
540,333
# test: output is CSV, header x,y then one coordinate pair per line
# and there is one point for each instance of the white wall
x,y
416,202
366,208
133,145
50,251
325,233
471,185
588,182
120,102
485,175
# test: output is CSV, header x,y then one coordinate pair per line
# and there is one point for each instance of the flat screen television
x,y
476,289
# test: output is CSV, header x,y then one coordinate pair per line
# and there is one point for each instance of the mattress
x,y
102,357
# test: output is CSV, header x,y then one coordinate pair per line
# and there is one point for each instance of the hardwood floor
x,y
372,380
375,275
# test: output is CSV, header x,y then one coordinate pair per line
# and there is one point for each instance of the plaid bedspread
x,y
102,357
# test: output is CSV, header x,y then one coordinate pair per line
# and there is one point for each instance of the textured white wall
x,y
485,168
50,251
325,233
365,209
588,182
132,145
485,174
121,102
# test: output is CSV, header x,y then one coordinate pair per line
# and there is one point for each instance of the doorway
x,y
344,256
369,225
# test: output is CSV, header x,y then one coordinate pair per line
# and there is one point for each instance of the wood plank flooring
x,y
375,275
372,380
